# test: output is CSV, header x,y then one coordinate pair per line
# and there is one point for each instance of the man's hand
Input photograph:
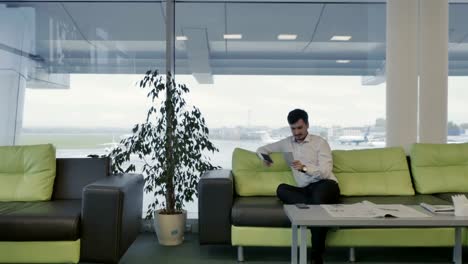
x,y
296,164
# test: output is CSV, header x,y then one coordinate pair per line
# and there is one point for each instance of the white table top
x,y
315,215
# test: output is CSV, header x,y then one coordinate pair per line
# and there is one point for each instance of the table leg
x,y
303,247
294,245
457,248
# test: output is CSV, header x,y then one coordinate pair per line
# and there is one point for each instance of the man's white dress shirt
x,y
313,152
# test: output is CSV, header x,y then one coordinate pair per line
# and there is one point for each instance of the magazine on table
x,y
371,210
438,209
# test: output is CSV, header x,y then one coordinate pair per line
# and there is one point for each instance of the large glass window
x,y
82,63
249,64
457,126
90,117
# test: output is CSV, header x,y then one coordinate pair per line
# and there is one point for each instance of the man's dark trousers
x,y
321,192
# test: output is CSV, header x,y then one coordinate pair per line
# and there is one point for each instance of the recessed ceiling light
x,y
232,36
181,38
287,36
343,61
341,38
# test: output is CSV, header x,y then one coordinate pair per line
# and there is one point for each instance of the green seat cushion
x,y
439,168
253,178
348,237
27,173
40,251
372,172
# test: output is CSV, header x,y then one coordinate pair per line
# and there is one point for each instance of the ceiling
x,y
129,37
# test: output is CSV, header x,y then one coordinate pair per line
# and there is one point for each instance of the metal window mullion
x,y
170,36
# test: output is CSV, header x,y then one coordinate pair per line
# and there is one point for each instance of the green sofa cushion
x,y
348,237
372,172
40,251
439,168
27,173
253,178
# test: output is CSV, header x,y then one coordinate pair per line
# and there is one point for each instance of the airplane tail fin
x,y
366,135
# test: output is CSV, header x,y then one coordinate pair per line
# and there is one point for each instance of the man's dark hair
x,y
297,114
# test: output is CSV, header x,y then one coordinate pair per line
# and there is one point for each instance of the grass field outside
x,y
70,141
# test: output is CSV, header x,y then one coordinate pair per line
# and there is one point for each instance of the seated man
x,y
312,170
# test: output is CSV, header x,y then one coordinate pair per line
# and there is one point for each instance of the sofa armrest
x,y
215,198
111,216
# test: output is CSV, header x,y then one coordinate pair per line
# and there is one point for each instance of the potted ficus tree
x,y
170,149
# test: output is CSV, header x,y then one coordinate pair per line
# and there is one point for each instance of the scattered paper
x,y
367,209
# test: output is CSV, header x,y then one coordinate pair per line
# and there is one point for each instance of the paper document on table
x,y
400,211
368,209
349,210
438,209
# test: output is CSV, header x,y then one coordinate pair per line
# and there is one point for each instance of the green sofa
x,y
65,210
239,207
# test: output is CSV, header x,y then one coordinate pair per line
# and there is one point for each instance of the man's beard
x,y
300,137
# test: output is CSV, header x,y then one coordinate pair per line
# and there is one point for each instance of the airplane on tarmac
x,y
266,138
354,139
109,146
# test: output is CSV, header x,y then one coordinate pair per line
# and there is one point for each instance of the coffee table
x,y
315,215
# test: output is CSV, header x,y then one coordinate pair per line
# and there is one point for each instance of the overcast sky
x,y
115,101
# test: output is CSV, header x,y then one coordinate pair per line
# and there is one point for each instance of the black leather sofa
x,y
220,209
215,201
103,211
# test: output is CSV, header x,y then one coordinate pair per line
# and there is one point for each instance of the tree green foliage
x,y
172,146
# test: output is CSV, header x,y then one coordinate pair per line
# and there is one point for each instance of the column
x,y
433,71
402,72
